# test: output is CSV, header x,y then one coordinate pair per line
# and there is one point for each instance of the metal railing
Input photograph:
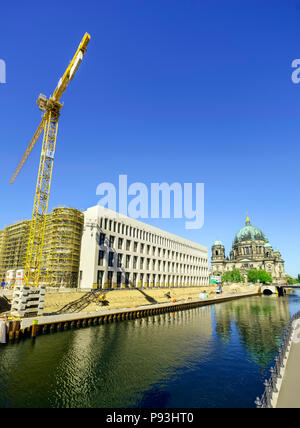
x,y
265,402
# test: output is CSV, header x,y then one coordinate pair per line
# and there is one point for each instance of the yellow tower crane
x,y
49,124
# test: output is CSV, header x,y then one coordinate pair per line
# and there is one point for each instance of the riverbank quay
x,y
17,329
78,300
289,392
282,390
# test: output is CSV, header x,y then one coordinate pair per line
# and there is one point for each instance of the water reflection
x,y
105,366
196,358
130,357
260,323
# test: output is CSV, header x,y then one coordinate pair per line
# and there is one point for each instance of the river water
x,y
214,356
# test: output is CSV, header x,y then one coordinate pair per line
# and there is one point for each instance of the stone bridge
x,y
280,290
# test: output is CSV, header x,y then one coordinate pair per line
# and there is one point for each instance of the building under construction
x,y
99,249
61,252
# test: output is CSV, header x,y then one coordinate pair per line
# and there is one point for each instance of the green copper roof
x,y
249,233
218,243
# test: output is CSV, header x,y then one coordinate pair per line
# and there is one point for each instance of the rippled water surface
x,y
215,356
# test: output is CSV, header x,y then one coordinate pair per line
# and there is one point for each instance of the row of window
x,y
141,248
145,279
133,232
133,262
249,250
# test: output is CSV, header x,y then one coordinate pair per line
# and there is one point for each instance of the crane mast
x,y
49,125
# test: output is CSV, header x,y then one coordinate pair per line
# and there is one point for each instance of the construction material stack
x,y
28,301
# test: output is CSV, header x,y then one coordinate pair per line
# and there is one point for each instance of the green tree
x,y
298,279
227,277
254,275
264,276
291,280
233,276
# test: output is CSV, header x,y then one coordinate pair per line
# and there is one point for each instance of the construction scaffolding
x,y
14,247
61,252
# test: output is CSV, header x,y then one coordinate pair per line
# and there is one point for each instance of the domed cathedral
x,y
250,250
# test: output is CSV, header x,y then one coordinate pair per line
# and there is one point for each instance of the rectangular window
x,y
102,239
119,279
142,263
111,241
120,243
127,281
100,275
128,245
134,279
111,259
109,278
135,247
100,258
127,261
120,257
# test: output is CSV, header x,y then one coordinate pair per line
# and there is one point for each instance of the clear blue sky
x,y
170,90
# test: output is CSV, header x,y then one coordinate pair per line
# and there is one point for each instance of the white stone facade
x,y
121,252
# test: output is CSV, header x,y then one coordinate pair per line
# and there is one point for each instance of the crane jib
x,y
51,107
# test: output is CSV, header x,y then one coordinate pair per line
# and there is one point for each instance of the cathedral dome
x,y
268,245
218,243
249,233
